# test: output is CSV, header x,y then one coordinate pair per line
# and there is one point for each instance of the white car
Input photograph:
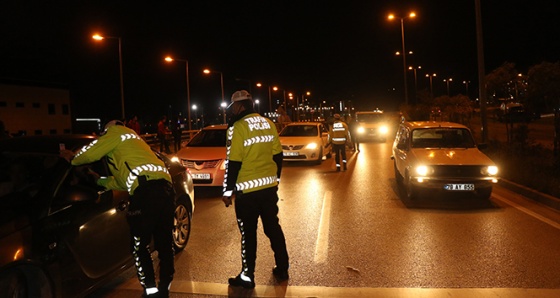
x,y
371,125
305,141
441,157
204,156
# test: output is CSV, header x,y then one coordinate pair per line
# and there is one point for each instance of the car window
x,y
369,117
209,138
442,138
300,131
23,175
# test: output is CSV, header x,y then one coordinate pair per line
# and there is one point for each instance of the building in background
x,y
35,109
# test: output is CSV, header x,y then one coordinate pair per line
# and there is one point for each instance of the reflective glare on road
x,y
353,234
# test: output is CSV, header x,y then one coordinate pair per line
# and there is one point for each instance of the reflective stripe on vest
x,y
339,139
254,140
139,169
86,148
256,183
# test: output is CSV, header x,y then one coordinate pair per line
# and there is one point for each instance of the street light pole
x,y
208,71
169,59
431,85
411,15
447,81
415,79
99,37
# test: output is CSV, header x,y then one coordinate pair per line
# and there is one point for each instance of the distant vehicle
x,y
62,235
305,141
441,157
371,125
513,112
205,155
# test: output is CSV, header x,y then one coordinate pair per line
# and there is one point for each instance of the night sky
x,y
341,50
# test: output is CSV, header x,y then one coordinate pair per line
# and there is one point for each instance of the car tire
x,y
398,177
411,190
181,225
320,158
484,193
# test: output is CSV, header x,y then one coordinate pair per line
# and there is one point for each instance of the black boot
x,y
237,281
280,274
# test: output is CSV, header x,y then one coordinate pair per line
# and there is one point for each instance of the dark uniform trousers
x,y
248,208
150,213
339,149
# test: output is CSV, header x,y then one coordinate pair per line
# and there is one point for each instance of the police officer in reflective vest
x,y
338,136
253,167
137,169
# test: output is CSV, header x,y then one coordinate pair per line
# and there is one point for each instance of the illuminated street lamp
x,y
431,85
284,96
269,97
99,37
224,105
258,106
170,59
391,17
194,107
415,78
447,81
208,71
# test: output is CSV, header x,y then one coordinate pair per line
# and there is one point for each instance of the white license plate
x,y
201,176
459,187
291,153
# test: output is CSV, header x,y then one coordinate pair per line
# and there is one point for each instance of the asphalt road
x,y
351,234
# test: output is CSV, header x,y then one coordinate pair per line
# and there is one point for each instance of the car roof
x,y
433,124
216,127
303,123
45,143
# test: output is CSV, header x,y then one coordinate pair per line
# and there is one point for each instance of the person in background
x,y
253,167
162,133
136,169
177,132
338,136
134,124
3,133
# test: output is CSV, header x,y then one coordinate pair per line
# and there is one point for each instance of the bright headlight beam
x,y
311,146
492,170
422,170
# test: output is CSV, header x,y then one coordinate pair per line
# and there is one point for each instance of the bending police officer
x,y
136,169
253,167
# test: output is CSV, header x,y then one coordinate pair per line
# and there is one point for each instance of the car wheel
x,y
484,193
320,158
398,175
14,284
411,190
181,226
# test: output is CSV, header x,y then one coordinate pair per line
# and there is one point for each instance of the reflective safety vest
x,y
128,156
253,140
339,133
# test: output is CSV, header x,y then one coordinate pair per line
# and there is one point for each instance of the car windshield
x,y
300,131
374,117
442,138
209,138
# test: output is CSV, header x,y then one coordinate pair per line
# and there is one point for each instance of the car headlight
x,y
311,146
424,170
491,170
175,159
383,129
223,165
361,130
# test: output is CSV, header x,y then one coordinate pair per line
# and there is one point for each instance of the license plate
x,y
291,153
459,187
201,176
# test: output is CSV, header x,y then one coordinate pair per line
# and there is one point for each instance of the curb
x,y
540,197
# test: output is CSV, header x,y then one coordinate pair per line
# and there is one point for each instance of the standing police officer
x,y
136,169
253,167
338,135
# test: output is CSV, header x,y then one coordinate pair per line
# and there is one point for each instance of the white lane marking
x,y
527,211
322,244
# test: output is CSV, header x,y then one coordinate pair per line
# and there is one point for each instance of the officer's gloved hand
x,y
227,201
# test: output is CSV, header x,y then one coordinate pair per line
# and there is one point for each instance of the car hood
x,y
447,156
202,153
298,140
